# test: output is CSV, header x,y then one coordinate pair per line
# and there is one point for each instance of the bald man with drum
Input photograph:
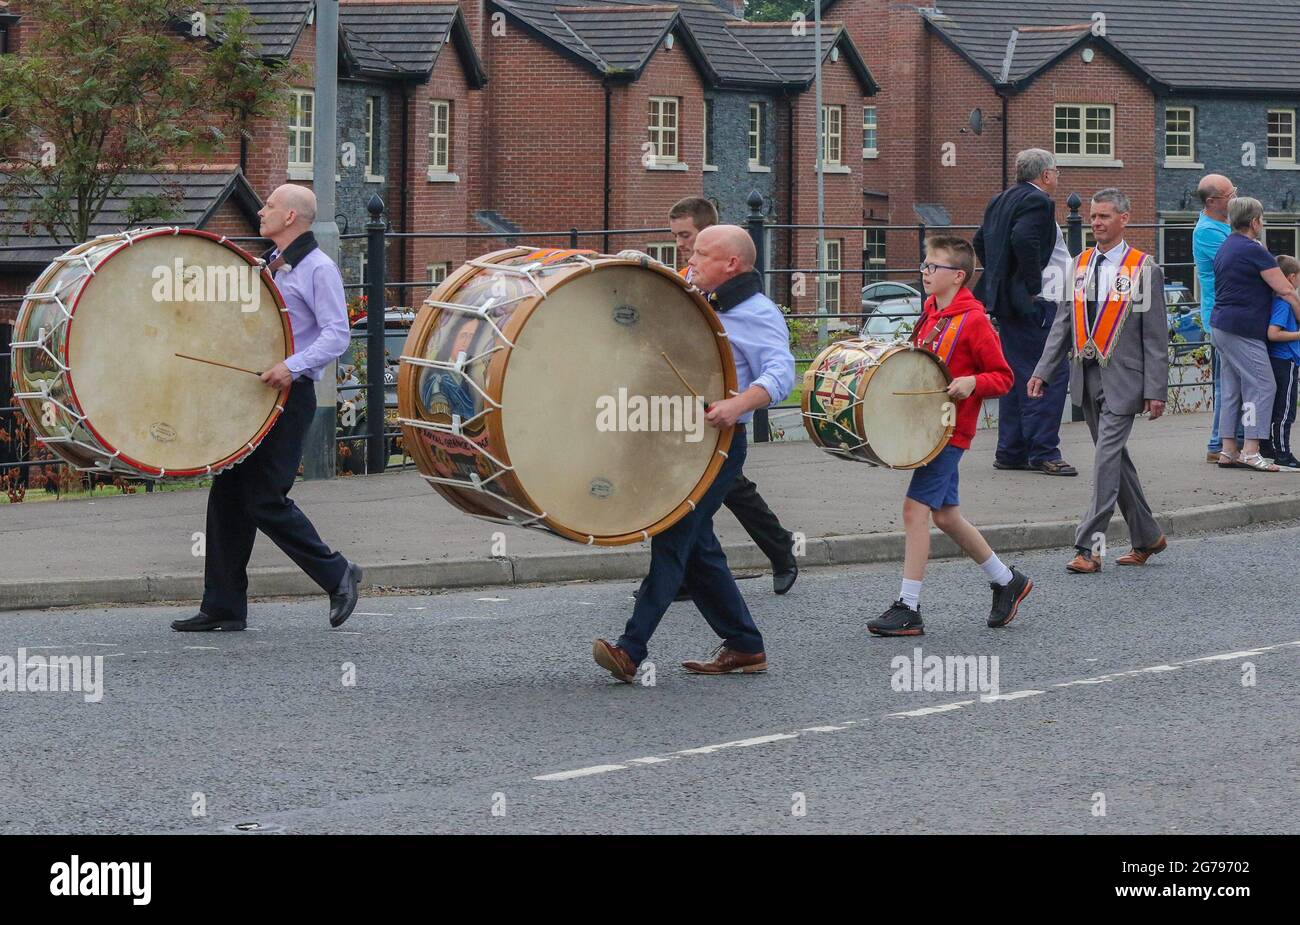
x,y
689,551
254,495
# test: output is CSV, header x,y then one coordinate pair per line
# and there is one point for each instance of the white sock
x,y
998,573
911,593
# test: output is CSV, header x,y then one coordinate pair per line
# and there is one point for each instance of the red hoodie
x,y
978,353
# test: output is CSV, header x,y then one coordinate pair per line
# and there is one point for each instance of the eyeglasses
x,y
927,267
1230,195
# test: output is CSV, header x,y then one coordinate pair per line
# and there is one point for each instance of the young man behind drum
x,y
254,495
954,326
722,263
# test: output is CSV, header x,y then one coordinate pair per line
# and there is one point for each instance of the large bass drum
x,y
96,369
564,390
878,402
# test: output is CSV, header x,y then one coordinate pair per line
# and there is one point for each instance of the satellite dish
x,y
977,121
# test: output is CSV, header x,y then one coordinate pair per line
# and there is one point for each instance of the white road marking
x,y
922,711
347,633
581,772
1014,695
494,600
368,613
205,648
942,708
740,743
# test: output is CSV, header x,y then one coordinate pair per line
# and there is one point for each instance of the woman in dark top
x,y
1246,277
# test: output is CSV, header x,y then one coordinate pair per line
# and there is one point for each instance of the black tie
x,y
1094,293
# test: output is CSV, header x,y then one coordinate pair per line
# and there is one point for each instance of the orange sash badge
x,y
1098,342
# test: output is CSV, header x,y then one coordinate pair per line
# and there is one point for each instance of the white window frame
x,y
302,132
1290,137
361,270
832,135
754,133
372,139
1189,134
872,263
1084,135
833,261
437,165
663,122
434,269
663,251
870,122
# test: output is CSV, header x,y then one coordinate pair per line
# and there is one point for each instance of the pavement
x,y
1145,700
144,548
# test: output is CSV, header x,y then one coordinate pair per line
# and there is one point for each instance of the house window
x,y
1281,135
440,135
873,255
372,133
665,253
302,121
438,272
832,276
755,134
363,277
1180,142
1178,263
869,148
1085,131
832,133
663,128
708,132
1280,241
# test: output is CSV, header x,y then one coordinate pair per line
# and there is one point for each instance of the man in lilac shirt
x,y
254,495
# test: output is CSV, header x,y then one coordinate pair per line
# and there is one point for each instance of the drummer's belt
x,y
1097,342
941,339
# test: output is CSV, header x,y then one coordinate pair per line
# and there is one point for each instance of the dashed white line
x,y
922,711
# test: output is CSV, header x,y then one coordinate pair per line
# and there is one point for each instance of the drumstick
x,y
922,392
681,377
241,369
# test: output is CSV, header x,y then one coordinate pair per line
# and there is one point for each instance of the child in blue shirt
x,y
1284,355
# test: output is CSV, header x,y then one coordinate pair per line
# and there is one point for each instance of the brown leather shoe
x,y
614,660
1139,555
728,661
1083,564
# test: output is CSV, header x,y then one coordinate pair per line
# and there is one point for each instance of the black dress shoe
x,y
344,600
783,580
202,623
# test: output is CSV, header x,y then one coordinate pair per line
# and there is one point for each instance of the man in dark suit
x,y
1025,262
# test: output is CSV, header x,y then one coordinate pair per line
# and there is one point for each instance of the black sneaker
x,y
1287,462
1007,598
898,620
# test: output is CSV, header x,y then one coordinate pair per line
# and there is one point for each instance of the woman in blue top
x,y
1246,277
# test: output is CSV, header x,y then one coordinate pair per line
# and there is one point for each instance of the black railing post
x,y
754,222
573,239
920,250
1073,232
376,364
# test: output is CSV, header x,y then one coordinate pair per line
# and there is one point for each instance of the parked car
x,y
892,319
886,290
352,404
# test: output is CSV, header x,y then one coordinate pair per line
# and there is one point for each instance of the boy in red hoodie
x,y
953,326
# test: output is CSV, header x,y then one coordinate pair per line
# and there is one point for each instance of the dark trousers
x,y
1029,429
1284,374
254,495
690,550
760,523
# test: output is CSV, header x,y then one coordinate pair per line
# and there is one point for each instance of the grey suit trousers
x,y
1114,476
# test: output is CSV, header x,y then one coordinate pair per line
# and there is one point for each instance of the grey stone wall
x,y
353,192
731,183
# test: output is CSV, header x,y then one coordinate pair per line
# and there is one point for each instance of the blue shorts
x,y
935,483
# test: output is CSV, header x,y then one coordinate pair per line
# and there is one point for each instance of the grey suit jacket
x,y
1138,368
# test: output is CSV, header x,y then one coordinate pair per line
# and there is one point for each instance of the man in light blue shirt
x,y
723,263
1212,229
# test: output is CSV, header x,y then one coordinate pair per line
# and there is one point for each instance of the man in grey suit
x,y
1117,337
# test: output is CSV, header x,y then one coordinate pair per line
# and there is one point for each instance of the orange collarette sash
x,y
1100,341
942,338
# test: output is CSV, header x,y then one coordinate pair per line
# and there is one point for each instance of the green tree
x,y
107,88
775,10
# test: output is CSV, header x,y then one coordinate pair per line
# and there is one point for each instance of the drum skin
x,y
125,402
591,325
850,409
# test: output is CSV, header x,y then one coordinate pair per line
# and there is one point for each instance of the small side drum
x,y
563,390
95,365
878,402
